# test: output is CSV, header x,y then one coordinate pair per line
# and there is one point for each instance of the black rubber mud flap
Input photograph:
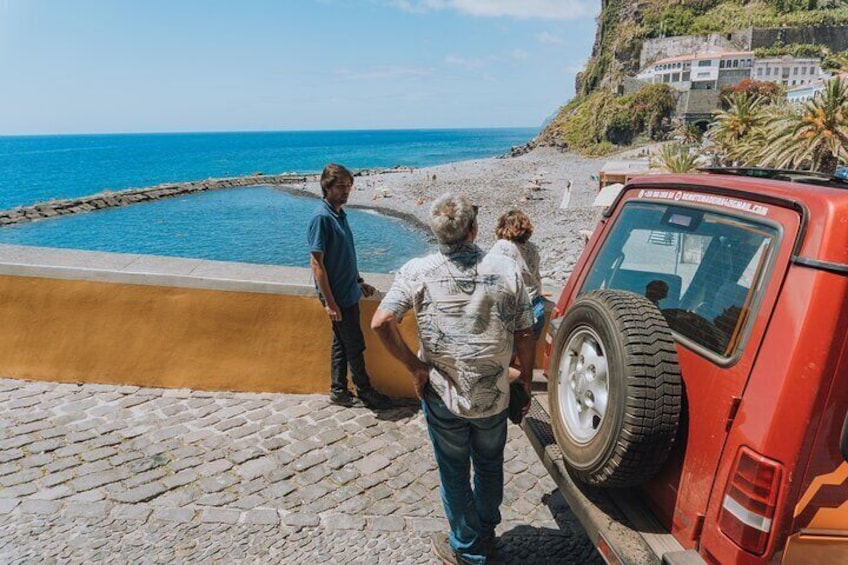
x,y
615,389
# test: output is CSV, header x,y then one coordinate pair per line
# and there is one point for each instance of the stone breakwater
x,y
109,199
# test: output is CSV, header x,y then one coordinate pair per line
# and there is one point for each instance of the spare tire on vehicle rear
x,y
614,388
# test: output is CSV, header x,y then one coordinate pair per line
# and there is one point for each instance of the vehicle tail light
x,y
750,499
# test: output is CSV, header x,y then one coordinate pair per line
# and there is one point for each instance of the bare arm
x,y
385,325
316,262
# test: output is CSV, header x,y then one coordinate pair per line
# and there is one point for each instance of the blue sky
x,y
97,66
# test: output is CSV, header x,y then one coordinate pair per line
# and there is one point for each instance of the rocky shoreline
x,y
555,188
118,198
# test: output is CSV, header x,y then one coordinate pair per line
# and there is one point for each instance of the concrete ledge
x,y
154,270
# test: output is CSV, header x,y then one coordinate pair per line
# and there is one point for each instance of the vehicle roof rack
x,y
806,177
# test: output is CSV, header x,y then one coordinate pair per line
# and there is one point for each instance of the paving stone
x,y
21,477
143,493
268,516
40,506
131,512
387,524
8,504
45,446
217,499
372,464
217,483
88,509
7,455
53,493
343,522
220,516
173,514
257,467
95,480
301,519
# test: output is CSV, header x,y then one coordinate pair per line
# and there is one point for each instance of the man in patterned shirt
x,y
470,308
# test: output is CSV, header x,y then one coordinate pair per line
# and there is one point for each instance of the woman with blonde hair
x,y
513,231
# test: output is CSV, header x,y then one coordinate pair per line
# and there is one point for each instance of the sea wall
x,y
108,199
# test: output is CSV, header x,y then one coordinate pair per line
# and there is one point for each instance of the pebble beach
x,y
556,189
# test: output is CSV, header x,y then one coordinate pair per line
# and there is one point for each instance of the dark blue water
x,y
251,225
38,168
254,225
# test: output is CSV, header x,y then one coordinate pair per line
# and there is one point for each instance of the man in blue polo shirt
x,y
339,285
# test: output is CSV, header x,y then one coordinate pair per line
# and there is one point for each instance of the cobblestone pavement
x,y
96,473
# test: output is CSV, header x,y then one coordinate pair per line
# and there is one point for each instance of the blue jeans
x,y
457,442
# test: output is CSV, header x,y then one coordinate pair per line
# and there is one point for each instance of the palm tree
x,y
730,133
677,158
814,135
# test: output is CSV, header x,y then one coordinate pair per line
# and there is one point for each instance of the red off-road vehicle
x,y
697,366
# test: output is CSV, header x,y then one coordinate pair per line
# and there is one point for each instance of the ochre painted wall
x,y
96,332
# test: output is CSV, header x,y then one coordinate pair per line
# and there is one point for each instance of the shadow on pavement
x,y
523,545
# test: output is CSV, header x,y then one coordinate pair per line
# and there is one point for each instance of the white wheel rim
x,y
583,385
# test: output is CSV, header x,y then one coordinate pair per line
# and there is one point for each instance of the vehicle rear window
x,y
702,269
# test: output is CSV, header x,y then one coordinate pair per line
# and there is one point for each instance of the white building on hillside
x,y
788,70
701,71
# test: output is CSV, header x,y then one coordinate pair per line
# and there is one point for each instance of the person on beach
x,y
340,286
470,308
513,232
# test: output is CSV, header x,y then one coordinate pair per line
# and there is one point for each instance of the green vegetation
x,y
678,158
800,50
600,121
810,136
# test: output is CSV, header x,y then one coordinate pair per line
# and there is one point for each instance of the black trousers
x,y
348,350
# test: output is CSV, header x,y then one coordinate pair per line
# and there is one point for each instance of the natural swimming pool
x,y
251,225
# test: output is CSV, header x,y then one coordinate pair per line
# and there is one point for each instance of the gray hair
x,y
451,218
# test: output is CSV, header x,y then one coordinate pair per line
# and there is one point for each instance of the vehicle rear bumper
x,y
616,522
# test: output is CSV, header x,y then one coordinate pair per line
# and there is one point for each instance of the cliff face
x,y
666,28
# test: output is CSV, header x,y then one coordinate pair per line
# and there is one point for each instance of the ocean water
x,y
253,225
38,168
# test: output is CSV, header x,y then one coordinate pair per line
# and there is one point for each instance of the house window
x,y
721,64
686,75
794,70
735,63
803,70
675,77
705,63
812,71
759,71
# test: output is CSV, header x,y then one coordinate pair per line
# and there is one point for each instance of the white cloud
x,y
381,73
549,38
469,64
521,9
519,54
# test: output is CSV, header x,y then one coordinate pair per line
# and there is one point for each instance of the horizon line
x,y
219,132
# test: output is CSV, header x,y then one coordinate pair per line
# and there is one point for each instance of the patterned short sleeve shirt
x,y
467,306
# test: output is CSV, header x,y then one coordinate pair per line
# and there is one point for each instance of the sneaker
x,y
445,553
443,550
346,399
374,399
